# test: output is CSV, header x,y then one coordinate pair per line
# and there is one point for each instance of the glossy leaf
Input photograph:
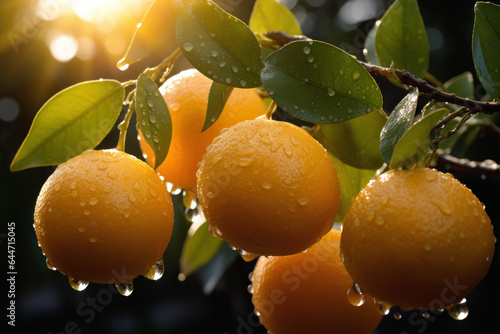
x,y
414,145
355,142
486,46
401,38
369,50
219,45
352,180
461,85
199,248
319,83
153,117
217,99
398,123
270,15
72,121
157,27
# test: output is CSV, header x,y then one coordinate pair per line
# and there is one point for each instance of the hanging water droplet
x,y
173,189
49,265
247,256
192,215
250,276
250,288
188,47
156,271
78,285
383,308
214,230
459,311
125,288
426,315
355,296
397,316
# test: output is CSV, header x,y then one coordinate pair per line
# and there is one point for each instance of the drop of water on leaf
x,y
156,271
306,50
150,104
222,64
125,288
355,75
243,83
152,119
331,92
214,53
234,68
310,59
188,47
78,285
228,80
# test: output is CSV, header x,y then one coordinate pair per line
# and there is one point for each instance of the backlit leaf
x,y
398,123
153,117
401,38
355,142
369,50
319,83
219,45
461,85
217,99
72,121
269,15
486,46
414,145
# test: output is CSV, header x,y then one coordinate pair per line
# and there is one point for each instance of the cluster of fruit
x,y
269,189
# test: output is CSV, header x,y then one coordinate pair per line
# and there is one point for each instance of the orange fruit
x,y
417,239
186,95
268,188
307,293
103,216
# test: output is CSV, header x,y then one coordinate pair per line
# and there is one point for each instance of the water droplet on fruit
x,y
379,221
459,311
442,206
397,316
156,271
250,276
78,285
431,176
131,197
355,296
214,231
247,256
93,201
427,246
49,265
112,175
188,47
382,307
93,239
288,151
384,201
86,212
125,288
72,185
245,162
102,166
267,185
250,288
303,200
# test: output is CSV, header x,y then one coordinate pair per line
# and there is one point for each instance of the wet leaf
x,y
153,117
401,38
156,28
414,145
398,123
355,142
269,15
319,83
72,121
461,85
369,50
352,180
199,248
486,46
217,99
219,45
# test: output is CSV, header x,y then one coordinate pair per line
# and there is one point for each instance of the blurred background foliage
x,y
48,45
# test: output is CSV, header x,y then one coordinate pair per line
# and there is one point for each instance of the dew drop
x,y
93,239
383,308
247,256
397,316
355,75
228,80
331,92
152,119
250,288
250,276
93,201
267,185
234,68
428,246
459,311
214,53
222,64
271,92
442,206
86,212
188,47
355,296
78,285
210,194
243,83
112,175
245,162
125,288
81,228
131,197
102,166
431,176
214,231
310,58
72,185
379,221
303,200
150,104
49,265
156,271
288,151
307,50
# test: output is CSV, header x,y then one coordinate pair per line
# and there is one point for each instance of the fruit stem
x,y
123,126
271,110
164,67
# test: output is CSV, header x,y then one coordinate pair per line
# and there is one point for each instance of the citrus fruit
x,y
417,239
268,188
186,95
103,216
307,293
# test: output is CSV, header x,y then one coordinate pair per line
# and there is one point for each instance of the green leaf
x,y
355,142
219,45
269,15
398,123
369,50
156,28
319,83
461,85
401,38
486,46
351,180
153,117
217,99
211,273
199,248
72,121
414,145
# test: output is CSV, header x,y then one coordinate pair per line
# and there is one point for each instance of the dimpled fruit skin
x,y
268,187
417,239
186,95
103,216
307,293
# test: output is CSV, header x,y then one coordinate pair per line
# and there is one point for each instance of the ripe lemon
x,y
307,293
186,95
417,239
268,188
103,216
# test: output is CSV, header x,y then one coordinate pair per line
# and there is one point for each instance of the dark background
x,y
44,301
